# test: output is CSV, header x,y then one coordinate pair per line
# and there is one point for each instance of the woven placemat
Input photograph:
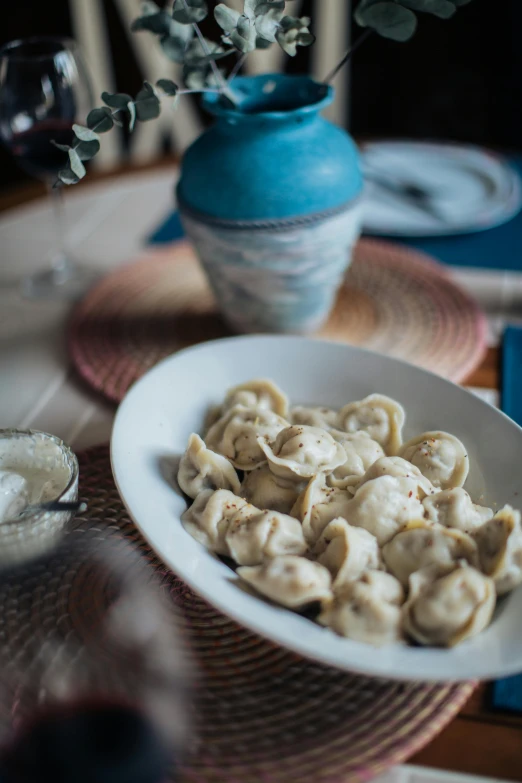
x,y
395,301
262,713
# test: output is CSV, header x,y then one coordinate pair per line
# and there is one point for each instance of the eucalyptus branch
x,y
237,67
348,55
215,70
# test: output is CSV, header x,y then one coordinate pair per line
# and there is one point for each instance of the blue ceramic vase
x,y
270,197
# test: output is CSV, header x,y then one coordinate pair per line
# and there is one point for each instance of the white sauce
x,y
33,469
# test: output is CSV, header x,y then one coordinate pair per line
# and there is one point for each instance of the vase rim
x,y
271,96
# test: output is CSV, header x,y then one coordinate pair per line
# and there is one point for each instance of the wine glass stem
x,y
60,263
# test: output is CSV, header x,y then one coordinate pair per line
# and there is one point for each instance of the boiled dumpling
x,y
500,547
265,490
254,535
360,452
381,417
299,452
257,394
383,505
200,468
399,468
324,418
446,610
289,580
454,508
208,518
347,551
422,544
235,435
318,504
368,610
441,457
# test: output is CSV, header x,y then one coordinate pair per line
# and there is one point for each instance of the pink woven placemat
x,y
394,300
262,714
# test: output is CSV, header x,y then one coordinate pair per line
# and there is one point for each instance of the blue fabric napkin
x,y
506,694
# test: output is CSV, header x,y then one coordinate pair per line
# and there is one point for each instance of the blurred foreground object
x,y
93,673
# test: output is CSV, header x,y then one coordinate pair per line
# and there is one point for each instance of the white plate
x,y
473,189
169,402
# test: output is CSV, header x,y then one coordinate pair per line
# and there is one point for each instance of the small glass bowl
x,y
34,534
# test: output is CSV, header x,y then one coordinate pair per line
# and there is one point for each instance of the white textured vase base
x,y
277,277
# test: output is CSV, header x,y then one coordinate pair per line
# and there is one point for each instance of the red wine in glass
x,y
35,151
44,89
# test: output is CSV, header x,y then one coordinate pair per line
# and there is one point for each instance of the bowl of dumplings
x,y
346,505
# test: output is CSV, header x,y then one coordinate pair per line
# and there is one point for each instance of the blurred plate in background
x,y
427,189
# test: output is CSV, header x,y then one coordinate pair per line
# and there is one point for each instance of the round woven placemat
x,y
395,301
262,713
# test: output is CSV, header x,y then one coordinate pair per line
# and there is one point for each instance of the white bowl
x,y
169,402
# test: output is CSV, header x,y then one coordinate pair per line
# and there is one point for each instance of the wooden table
x,y
38,389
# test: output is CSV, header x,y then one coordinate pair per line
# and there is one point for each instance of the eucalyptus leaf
x,y
100,119
167,86
132,115
84,134
63,147
173,48
294,32
255,8
68,177
87,149
117,100
198,77
227,18
158,23
388,19
267,24
147,103
189,11
444,9
76,165
197,54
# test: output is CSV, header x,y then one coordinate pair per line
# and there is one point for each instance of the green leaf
x,y
196,54
87,149
63,147
76,164
255,8
84,134
388,19
227,18
147,103
132,115
444,9
199,77
167,86
267,24
68,177
117,100
173,48
101,119
158,23
292,33
189,11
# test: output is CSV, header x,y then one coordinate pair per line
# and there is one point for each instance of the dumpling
x,y
368,610
299,452
324,418
500,547
265,490
445,611
289,580
257,394
254,535
441,457
318,504
454,508
200,468
208,518
347,551
399,468
380,416
383,505
360,452
235,435
422,544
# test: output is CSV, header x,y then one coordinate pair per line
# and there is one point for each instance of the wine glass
x,y
44,89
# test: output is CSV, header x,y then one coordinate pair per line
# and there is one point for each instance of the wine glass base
x,y
69,283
